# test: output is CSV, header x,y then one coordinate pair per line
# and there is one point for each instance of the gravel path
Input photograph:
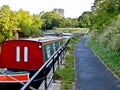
x,y
91,74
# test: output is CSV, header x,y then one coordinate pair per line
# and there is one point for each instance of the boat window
x,y
54,47
59,44
48,51
25,54
18,53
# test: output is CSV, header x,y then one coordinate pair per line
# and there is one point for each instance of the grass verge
x,y
109,57
67,74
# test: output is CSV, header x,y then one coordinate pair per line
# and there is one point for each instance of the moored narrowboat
x,y
20,59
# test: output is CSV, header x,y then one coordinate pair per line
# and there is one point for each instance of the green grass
x,y
67,74
109,57
70,30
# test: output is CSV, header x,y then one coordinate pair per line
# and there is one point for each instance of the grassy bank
x,y
67,74
108,55
106,43
70,30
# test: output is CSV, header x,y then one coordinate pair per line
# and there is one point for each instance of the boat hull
x,y
13,80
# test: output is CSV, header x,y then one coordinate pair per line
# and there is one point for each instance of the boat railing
x,y
48,70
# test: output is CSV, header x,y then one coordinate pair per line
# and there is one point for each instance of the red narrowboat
x,y
20,59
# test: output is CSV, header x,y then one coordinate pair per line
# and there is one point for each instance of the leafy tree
x,y
103,12
29,24
75,22
84,19
8,23
51,20
37,21
25,21
66,22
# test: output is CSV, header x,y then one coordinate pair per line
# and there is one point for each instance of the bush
x,y
115,44
94,35
110,37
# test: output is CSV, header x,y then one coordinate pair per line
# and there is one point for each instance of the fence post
x,y
45,78
53,69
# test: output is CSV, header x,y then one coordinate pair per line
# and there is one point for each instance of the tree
x,y
51,20
25,22
29,24
104,11
66,22
8,23
37,21
75,22
84,19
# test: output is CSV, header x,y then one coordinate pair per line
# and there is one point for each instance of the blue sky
x,y
72,8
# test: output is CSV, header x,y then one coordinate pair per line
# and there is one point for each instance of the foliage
x,y
8,22
37,21
51,20
103,12
29,24
109,56
66,22
115,44
105,32
75,22
84,20
109,36
107,44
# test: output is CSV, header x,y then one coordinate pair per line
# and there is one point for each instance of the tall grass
x,y
108,55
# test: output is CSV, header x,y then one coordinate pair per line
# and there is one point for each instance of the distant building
x,y
59,11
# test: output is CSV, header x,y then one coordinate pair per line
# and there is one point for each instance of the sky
x,y
72,8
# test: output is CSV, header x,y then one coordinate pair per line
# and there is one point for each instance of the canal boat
x,y
20,59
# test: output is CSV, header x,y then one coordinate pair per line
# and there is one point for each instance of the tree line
x,y
101,14
12,21
30,25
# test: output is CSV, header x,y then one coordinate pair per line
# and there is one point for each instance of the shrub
x,y
115,43
94,35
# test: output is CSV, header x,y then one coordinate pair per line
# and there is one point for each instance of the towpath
x,y
91,74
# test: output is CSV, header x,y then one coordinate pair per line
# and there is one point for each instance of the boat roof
x,y
42,39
